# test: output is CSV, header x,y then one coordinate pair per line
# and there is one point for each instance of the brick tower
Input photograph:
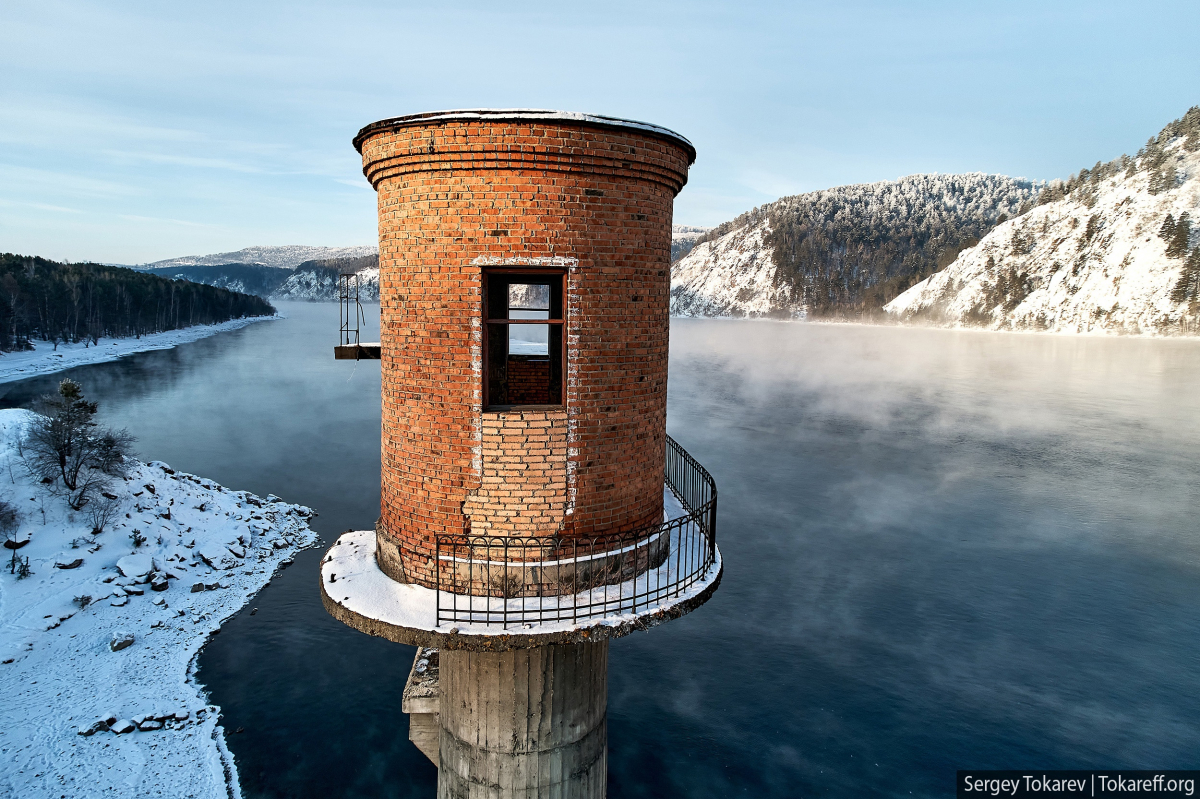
x,y
532,504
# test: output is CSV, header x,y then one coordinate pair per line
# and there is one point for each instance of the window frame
x,y
537,276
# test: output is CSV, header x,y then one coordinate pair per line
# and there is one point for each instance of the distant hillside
x,y
311,280
844,251
1112,248
684,238
285,257
50,301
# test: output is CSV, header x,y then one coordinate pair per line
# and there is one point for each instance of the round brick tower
x,y
468,199
533,505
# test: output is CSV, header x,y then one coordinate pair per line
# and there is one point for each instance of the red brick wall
x,y
452,194
528,381
523,485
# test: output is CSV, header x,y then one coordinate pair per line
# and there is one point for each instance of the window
x,y
523,354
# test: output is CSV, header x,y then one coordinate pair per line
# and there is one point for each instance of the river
x,y
943,550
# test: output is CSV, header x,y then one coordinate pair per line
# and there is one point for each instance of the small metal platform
x,y
356,352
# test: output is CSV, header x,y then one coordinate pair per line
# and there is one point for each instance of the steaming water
x,y
944,550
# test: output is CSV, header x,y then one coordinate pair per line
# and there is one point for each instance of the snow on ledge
x,y
45,359
372,601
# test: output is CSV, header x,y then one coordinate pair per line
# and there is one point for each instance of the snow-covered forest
x,y
43,300
1111,248
844,251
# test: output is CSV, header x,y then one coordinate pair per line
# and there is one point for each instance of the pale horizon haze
x,y
135,131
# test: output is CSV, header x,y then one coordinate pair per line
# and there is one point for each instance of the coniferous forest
x,y
850,249
62,302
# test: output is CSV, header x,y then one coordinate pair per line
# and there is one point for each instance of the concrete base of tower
x,y
525,723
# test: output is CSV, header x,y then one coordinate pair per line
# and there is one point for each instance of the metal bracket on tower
x,y
350,318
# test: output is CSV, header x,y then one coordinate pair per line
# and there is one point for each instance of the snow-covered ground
x,y
45,359
64,668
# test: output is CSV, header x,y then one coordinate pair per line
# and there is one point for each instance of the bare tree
x,y
100,512
66,449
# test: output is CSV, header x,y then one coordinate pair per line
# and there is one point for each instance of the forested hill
x,y
1113,248
314,280
844,251
51,301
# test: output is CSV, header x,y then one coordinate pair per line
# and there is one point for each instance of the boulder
x,y
197,587
120,640
95,727
135,590
123,726
150,724
119,601
135,565
217,556
236,550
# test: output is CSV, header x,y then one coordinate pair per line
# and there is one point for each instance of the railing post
x,y
712,528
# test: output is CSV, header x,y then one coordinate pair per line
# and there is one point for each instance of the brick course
x,y
453,194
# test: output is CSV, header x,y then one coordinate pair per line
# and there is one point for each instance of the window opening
x,y
524,358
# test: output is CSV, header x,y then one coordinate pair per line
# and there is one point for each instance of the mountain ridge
x,y
842,251
288,256
1112,248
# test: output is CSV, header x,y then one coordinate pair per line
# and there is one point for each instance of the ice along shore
x,y
45,359
98,643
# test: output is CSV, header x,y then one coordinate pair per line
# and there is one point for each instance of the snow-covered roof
x,y
523,115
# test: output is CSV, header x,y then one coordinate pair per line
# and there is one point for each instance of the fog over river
x,y
943,550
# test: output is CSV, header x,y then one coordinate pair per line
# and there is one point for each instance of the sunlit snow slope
x,y
1112,249
841,251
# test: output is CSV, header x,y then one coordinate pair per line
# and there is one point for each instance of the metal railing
x,y
350,310
512,581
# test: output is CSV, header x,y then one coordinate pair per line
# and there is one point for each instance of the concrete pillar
x,y
524,723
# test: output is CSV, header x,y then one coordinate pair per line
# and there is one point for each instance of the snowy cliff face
x,y
1114,253
733,275
842,250
320,285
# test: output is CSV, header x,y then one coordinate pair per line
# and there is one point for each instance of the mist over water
x,y
943,550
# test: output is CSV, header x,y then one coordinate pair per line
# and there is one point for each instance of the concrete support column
x,y
524,723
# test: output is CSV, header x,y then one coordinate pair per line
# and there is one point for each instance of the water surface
x,y
943,550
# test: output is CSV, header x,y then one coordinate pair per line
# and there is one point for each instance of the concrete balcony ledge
x,y
355,591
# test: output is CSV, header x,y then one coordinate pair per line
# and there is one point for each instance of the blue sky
x,y
131,132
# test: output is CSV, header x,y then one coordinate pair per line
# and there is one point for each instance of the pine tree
x,y
1177,245
1187,288
1167,229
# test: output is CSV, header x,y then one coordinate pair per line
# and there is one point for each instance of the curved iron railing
x,y
513,581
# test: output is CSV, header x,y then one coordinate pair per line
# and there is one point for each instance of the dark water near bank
x,y
944,550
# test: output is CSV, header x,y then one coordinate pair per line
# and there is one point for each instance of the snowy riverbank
x,y
45,359
72,673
